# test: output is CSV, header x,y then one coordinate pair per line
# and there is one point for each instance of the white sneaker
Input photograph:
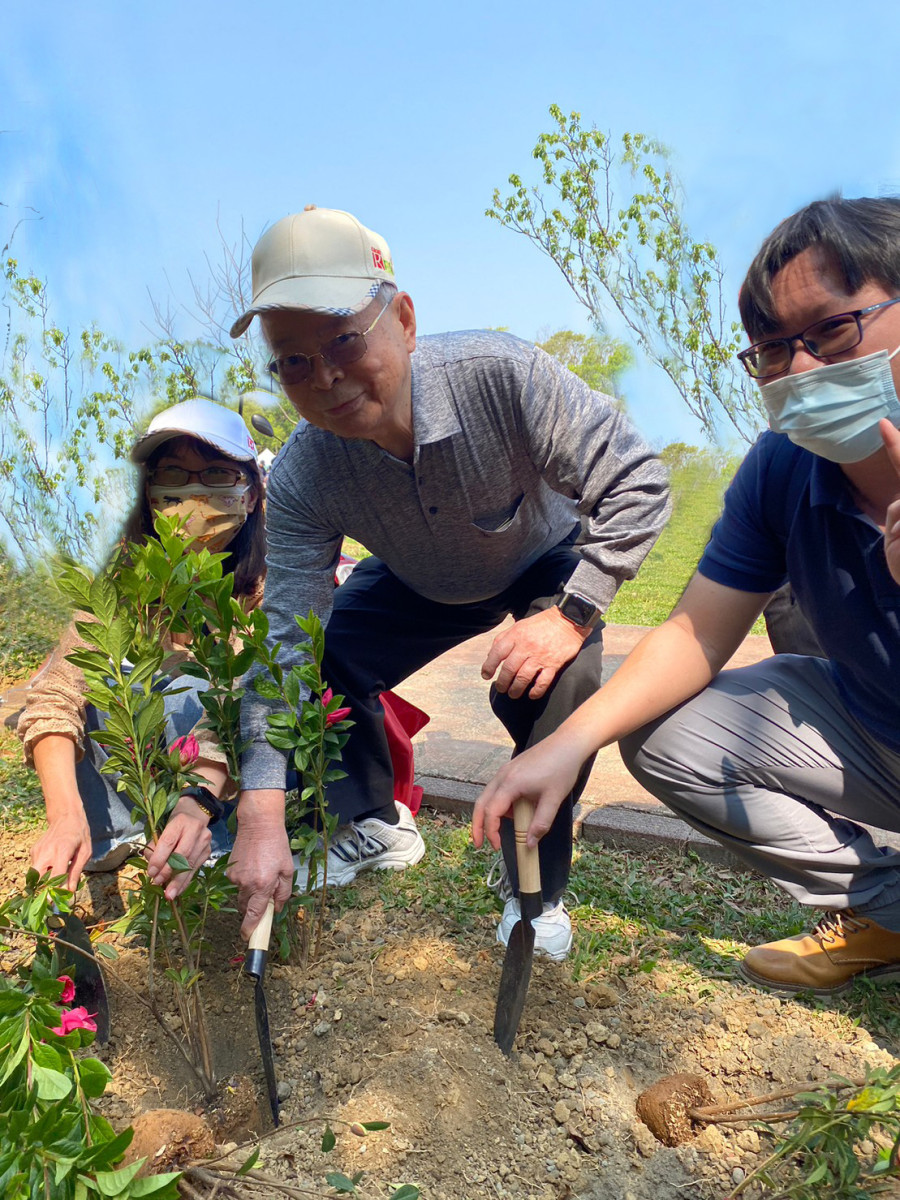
x,y
552,929
369,845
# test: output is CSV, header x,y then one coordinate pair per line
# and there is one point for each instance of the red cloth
x,y
401,721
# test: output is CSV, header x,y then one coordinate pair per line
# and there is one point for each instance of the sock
x,y
388,813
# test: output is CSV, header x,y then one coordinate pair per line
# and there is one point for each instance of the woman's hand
x,y
64,848
186,833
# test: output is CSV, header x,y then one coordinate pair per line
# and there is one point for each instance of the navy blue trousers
x,y
381,632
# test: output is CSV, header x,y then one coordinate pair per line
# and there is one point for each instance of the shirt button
x,y
432,510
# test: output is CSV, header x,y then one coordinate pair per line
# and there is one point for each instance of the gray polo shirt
x,y
511,451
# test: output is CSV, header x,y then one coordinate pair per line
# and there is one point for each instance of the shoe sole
x,y
386,862
878,975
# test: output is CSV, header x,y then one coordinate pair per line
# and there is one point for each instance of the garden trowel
x,y
90,990
520,949
255,968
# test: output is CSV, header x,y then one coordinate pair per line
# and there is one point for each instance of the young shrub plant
x,y
52,1143
134,608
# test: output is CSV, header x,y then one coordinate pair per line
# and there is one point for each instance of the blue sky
x,y
135,131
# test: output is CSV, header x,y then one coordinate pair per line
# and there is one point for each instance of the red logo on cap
x,y
377,259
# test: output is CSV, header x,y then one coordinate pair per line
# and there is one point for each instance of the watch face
x,y
577,609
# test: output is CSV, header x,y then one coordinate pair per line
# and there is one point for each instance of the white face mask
x,y
834,410
211,517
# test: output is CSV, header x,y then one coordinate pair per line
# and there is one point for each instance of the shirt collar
x,y
830,487
434,416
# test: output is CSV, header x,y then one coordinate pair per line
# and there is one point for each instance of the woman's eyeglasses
x,y
211,477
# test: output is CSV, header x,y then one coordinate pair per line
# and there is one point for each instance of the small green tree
x,y
596,358
631,248
67,409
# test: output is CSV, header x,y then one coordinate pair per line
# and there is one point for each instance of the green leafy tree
x,y
67,408
611,218
596,358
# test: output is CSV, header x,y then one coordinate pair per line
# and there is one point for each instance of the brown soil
x,y
394,1023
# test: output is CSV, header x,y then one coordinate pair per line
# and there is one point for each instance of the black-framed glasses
x,y
211,477
822,339
341,351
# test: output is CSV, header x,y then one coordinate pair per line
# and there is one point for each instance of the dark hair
x,y
859,242
247,553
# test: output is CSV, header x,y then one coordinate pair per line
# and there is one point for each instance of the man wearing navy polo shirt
x,y
786,761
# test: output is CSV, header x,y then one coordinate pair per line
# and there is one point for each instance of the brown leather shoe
x,y
843,947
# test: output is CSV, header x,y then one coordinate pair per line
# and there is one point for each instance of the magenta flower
x,y
189,749
338,714
76,1018
68,992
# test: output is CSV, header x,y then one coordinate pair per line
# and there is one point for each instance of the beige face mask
x,y
211,518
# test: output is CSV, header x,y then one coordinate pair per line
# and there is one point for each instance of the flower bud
x,y
188,748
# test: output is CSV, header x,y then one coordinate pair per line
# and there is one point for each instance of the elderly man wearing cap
x,y
486,480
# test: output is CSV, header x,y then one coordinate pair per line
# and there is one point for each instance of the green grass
x,y
21,802
32,616
697,489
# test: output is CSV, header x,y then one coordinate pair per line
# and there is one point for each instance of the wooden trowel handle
x,y
259,938
527,859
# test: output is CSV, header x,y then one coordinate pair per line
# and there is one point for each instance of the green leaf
x,y
329,1141
162,1186
45,1056
93,1075
374,1126
105,950
250,1163
178,863
406,1191
50,1084
341,1183
111,1183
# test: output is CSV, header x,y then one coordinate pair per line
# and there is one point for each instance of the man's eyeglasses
x,y
211,477
834,335
341,351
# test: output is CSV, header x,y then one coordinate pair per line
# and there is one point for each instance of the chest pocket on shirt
x,y
501,520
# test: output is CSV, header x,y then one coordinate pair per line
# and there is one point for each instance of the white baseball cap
x,y
321,259
202,419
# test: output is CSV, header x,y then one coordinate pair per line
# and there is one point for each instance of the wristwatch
x,y
579,610
203,798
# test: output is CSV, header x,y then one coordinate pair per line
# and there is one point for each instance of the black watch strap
x,y
579,610
203,798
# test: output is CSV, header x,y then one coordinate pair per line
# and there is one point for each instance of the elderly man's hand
x,y
260,864
533,652
891,438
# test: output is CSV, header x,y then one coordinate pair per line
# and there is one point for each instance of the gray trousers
x,y
767,761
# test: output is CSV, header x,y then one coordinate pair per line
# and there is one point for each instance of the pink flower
x,y
326,697
68,992
189,749
76,1018
337,715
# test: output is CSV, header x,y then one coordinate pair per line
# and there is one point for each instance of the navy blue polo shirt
x,y
790,515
